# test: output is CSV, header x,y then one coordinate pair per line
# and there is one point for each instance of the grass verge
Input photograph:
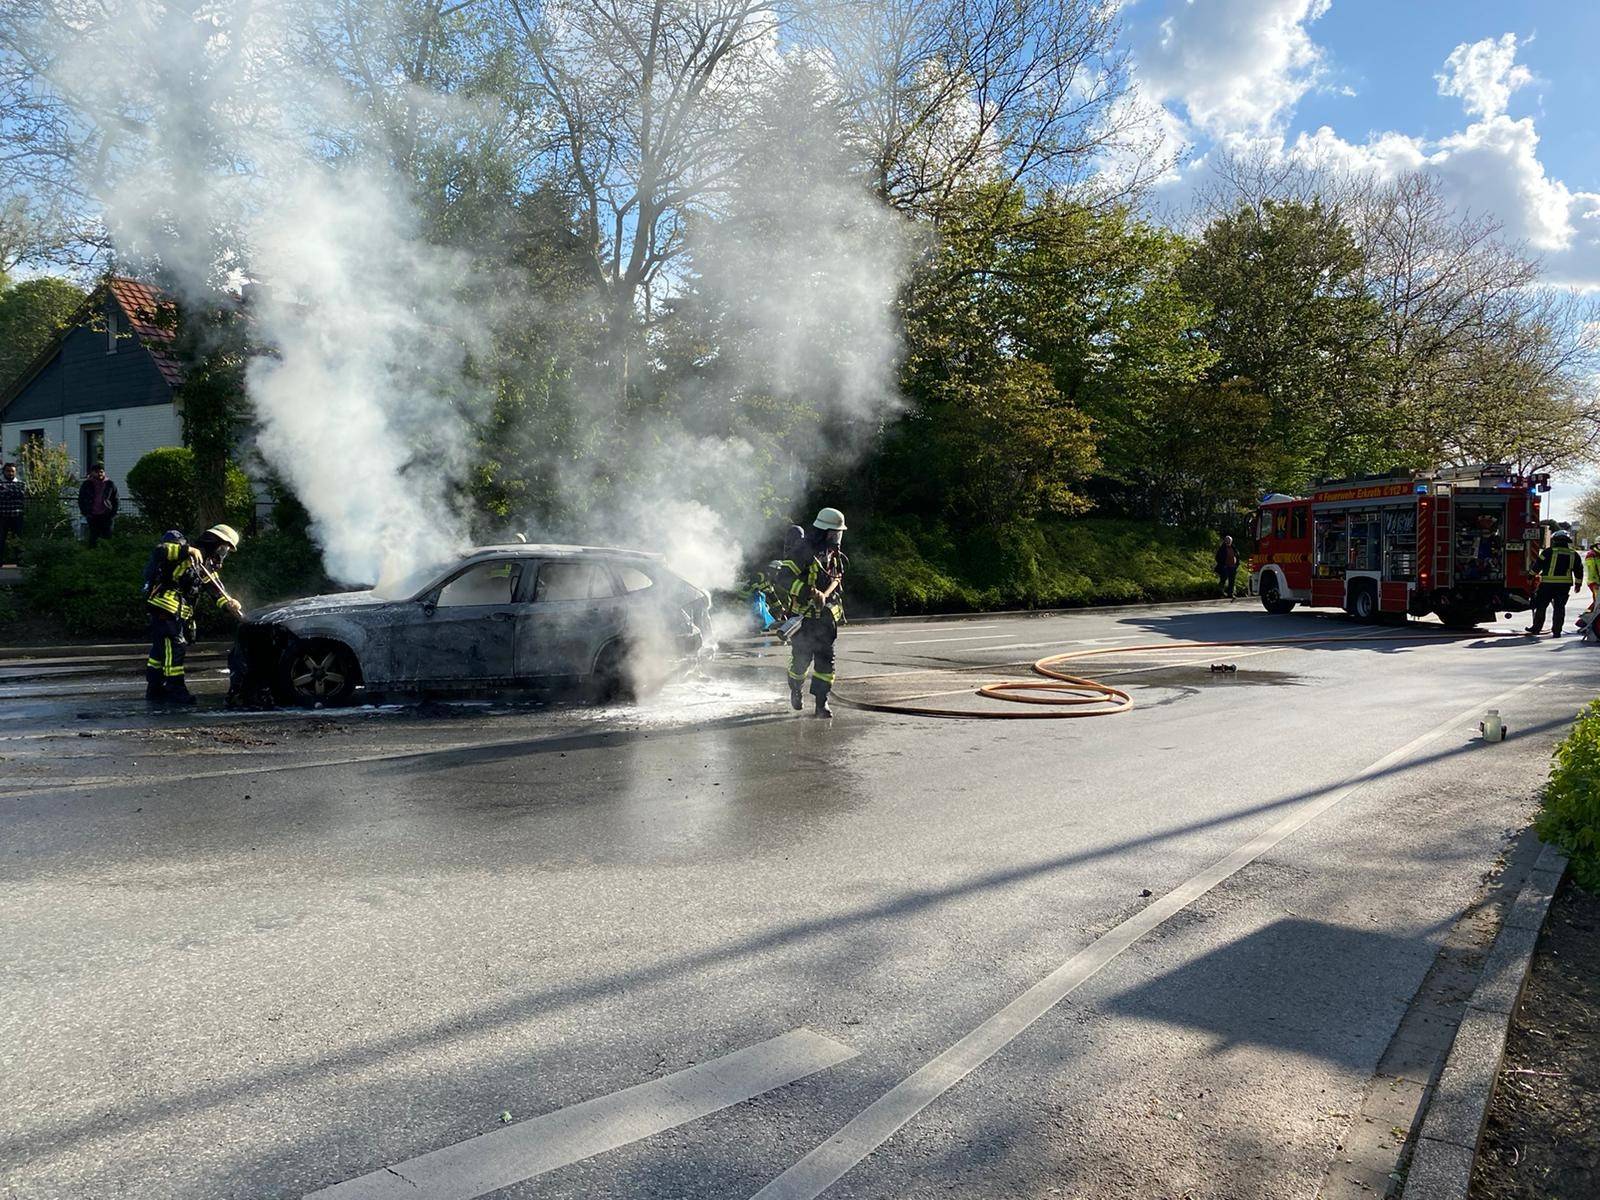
x,y
903,566
1571,815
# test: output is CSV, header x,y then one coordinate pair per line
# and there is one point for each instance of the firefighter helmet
x,y
1561,535
226,534
830,519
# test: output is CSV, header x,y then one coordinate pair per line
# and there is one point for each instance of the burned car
x,y
612,622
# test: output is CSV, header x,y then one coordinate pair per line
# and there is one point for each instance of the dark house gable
x,y
115,354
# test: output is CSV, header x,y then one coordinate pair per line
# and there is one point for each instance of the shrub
x,y
1571,816
165,486
90,590
95,590
47,472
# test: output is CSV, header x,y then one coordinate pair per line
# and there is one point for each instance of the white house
x,y
106,385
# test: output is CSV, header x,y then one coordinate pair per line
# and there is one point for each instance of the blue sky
x,y
1497,98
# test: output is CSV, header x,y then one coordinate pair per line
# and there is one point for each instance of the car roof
x,y
548,550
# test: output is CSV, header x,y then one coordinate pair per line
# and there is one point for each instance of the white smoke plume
x,y
235,153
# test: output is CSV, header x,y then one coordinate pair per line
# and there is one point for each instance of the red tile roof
x,y
157,330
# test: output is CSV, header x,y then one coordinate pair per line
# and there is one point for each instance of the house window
x,y
111,328
94,446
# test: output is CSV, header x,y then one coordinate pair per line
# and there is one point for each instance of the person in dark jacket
x,y
11,498
1227,566
98,502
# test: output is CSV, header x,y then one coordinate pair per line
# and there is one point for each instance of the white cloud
x,y
1484,74
1234,66
1490,167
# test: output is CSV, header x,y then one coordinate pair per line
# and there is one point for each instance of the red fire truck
x,y
1459,542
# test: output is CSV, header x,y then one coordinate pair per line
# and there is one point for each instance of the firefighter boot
x,y
154,686
823,709
178,692
794,694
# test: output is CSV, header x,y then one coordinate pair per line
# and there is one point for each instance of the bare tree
x,y
945,93
645,98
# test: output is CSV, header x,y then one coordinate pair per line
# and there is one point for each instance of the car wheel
x,y
1363,604
1272,600
314,673
608,682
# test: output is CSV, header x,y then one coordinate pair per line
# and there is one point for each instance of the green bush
x,y
1571,816
95,591
90,590
904,566
165,487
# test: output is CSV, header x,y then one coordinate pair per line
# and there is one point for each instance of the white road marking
x,y
1058,642
506,1156
981,637
883,1118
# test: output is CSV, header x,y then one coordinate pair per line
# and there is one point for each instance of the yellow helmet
x,y
226,534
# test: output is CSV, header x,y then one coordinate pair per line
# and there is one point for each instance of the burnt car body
x,y
614,622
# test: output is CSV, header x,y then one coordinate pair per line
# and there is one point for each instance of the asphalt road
x,y
1150,955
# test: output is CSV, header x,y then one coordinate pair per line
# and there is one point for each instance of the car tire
x,y
608,683
1272,600
1363,603
316,673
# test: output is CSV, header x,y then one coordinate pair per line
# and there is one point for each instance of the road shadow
x,y
509,1011
1311,965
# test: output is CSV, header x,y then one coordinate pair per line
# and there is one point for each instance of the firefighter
x,y
767,601
1591,576
812,587
181,571
1559,573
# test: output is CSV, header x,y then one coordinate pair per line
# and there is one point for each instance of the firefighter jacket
x,y
1558,564
1591,569
175,581
796,581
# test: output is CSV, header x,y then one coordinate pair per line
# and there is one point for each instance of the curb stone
x,y
1441,1168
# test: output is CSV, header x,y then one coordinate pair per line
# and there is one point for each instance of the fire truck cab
x,y
1459,542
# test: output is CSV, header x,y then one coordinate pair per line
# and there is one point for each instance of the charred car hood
x,y
316,606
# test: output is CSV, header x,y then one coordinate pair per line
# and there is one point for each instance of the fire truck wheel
x,y
1363,604
1272,600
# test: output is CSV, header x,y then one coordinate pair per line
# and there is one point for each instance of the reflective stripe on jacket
x,y
795,584
1558,564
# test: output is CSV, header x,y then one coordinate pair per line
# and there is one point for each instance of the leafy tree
x,y
1096,298
991,438
31,313
166,485
1290,316
213,345
1586,519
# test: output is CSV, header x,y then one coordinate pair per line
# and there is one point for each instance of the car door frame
x,y
500,621
564,623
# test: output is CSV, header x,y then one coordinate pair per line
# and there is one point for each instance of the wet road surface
x,y
706,947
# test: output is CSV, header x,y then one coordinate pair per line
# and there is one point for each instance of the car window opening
x,y
572,581
485,583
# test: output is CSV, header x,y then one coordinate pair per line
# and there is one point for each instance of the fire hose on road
x,y
1060,695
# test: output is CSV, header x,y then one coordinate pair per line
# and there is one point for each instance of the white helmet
x,y
830,519
226,534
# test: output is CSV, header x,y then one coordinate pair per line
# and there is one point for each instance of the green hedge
x,y
1571,816
95,591
901,566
